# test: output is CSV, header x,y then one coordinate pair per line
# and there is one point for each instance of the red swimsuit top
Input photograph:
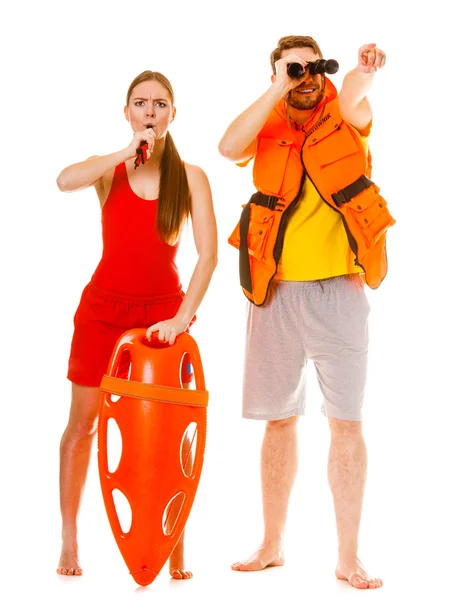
x,y
135,261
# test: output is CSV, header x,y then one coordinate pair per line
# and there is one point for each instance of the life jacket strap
x,y
351,190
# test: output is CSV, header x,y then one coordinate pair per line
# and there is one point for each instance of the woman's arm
x,y
89,172
205,237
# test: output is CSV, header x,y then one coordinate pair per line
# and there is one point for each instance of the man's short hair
x,y
293,41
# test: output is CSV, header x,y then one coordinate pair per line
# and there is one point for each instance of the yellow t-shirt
x,y
315,244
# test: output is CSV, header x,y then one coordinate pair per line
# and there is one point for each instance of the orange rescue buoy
x,y
163,432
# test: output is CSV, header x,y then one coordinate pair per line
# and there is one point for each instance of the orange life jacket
x,y
331,153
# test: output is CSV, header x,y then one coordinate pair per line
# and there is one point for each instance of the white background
x,y
66,68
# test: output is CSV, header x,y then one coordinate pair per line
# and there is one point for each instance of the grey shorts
x,y
325,321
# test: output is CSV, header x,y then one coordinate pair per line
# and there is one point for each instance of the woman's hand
x,y
147,136
168,330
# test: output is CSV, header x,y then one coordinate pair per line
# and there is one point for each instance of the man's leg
x,y
338,341
274,391
347,468
279,462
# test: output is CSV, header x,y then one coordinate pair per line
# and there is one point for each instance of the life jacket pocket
x,y
260,226
335,146
370,213
270,165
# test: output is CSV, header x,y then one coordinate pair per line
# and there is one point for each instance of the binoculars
x,y
296,70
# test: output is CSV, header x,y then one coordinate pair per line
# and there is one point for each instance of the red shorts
x,y
102,317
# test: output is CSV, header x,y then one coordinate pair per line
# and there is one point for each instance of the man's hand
x,y
370,59
281,66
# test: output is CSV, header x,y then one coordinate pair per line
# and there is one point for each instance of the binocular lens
x,y
295,70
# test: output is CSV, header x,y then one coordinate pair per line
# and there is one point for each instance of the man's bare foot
x,y
354,572
176,563
267,555
68,562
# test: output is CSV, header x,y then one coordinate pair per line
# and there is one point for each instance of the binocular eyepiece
x,y
296,70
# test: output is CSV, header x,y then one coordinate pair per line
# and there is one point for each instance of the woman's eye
x,y
139,103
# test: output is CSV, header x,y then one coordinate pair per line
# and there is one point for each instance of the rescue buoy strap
x,y
149,391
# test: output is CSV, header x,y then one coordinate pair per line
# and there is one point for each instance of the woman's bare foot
x,y
176,563
267,555
354,572
68,562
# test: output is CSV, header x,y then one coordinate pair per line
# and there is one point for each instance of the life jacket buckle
x,y
272,202
340,198
352,190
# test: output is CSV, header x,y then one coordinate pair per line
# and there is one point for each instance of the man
x,y
309,238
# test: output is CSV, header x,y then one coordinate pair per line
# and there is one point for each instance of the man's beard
x,y
306,103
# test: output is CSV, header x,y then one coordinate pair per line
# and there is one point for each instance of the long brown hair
x,y
174,200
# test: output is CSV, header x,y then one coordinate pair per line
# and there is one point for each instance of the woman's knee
x,y
84,410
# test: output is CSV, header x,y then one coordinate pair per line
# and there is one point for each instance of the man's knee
x,y
344,428
281,424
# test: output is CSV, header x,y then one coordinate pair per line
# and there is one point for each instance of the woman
x,y
136,283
